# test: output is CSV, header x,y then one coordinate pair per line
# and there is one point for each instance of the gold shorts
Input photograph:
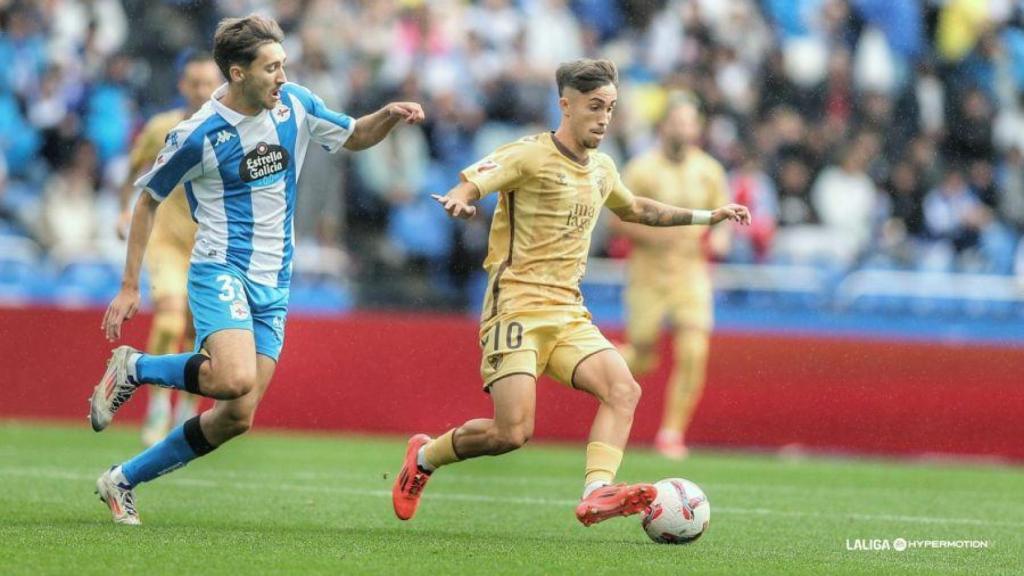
x,y
687,304
540,342
167,265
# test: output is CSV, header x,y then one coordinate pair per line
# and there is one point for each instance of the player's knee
x,y
240,426
625,394
238,383
513,437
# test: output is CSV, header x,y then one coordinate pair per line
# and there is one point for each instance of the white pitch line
x,y
523,500
477,479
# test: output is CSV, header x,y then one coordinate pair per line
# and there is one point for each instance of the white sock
x,y
421,459
158,404
118,477
669,436
133,359
589,488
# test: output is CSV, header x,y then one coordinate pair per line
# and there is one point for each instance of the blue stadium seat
x,y
86,282
320,297
20,265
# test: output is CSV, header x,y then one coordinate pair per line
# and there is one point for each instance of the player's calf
x,y
227,425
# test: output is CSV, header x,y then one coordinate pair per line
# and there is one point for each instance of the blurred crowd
x,y
863,133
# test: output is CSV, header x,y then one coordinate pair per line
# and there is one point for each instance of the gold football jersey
x,y
697,182
173,224
547,210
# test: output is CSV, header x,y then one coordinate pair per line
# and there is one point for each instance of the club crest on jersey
x,y
264,164
282,113
239,310
494,361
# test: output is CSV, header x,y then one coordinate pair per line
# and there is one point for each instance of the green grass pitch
x,y
285,503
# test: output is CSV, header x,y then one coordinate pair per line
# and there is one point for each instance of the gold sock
x,y
441,450
602,462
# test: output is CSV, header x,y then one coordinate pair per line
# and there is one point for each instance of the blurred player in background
x,y
239,159
552,187
169,245
668,270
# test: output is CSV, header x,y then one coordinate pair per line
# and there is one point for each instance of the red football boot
x,y
409,484
615,500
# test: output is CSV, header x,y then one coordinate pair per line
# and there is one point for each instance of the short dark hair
x,y
237,40
586,75
191,56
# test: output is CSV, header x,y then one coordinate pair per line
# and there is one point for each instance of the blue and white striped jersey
x,y
239,174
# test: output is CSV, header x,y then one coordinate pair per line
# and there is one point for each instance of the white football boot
x,y
113,390
119,497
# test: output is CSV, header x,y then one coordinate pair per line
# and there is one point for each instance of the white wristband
x,y
700,217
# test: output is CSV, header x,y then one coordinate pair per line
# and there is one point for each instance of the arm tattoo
x,y
658,214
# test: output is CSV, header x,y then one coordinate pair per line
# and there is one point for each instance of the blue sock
x,y
164,370
184,444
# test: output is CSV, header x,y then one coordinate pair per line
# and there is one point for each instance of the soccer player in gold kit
x,y
668,272
170,245
551,187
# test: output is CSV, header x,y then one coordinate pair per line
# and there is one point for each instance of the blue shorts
x,y
222,297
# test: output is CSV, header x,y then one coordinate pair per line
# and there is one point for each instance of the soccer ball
x,y
679,514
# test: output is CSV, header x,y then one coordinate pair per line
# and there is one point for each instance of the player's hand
x,y
124,222
455,207
122,307
410,112
734,212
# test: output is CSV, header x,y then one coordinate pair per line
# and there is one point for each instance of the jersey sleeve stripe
x,y
287,136
328,128
163,179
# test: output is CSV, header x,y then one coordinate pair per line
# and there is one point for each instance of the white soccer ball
x,y
679,514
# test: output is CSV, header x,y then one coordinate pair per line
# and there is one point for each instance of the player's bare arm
x,y
372,128
126,303
640,234
653,213
128,194
458,202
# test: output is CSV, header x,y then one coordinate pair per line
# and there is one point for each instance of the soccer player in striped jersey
x,y
239,158
551,188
